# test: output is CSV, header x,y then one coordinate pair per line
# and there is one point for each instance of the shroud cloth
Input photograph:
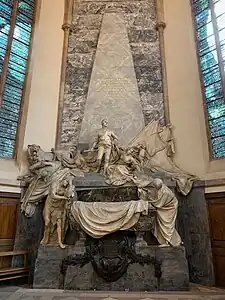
x,y
101,218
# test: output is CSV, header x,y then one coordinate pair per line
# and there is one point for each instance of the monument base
x,y
47,272
166,271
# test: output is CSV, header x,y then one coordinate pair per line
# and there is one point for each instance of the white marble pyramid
x,y
113,91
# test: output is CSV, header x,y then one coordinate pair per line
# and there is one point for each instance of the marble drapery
x,y
163,200
160,149
98,219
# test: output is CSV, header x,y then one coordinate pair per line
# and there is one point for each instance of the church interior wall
x,y
185,104
43,102
43,90
185,97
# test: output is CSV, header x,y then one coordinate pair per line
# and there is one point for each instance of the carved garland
x,y
117,266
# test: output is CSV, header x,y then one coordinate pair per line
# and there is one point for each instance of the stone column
x,y
66,28
160,26
194,229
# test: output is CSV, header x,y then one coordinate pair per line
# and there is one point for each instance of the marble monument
x,y
123,223
109,209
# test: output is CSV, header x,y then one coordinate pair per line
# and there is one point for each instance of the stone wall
x,y
140,19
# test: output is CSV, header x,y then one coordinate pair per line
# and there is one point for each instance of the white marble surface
x,y
113,91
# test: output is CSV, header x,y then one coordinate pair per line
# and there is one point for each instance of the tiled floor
x,y
15,293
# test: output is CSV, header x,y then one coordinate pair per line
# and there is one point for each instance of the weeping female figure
x,y
163,200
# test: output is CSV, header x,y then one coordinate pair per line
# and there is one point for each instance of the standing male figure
x,y
104,143
56,207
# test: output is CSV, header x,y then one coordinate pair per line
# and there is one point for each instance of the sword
x,y
87,151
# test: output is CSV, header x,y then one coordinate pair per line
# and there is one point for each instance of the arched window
x,y
16,23
209,17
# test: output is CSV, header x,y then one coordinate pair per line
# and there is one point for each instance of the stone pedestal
x,y
173,273
193,226
170,275
137,278
47,273
174,268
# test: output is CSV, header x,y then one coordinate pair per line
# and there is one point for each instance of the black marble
x,y
76,102
47,273
142,36
150,115
28,235
194,228
83,46
127,7
137,20
93,180
173,276
152,105
108,195
85,8
150,50
142,59
148,73
88,22
68,138
150,86
78,78
192,224
137,278
79,60
82,34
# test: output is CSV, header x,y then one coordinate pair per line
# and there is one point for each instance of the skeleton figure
x,y
56,207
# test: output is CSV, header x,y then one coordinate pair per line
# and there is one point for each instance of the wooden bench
x,y
17,272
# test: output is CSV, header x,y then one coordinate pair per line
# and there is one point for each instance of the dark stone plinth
x,y
193,225
28,235
174,273
137,278
93,180
47,274
174,269
112,194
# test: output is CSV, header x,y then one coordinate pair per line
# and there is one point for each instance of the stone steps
x,y
45,294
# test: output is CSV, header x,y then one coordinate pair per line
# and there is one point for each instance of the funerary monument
x,y
108,208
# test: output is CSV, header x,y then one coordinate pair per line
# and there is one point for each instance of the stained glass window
x,y
16,23
209,16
